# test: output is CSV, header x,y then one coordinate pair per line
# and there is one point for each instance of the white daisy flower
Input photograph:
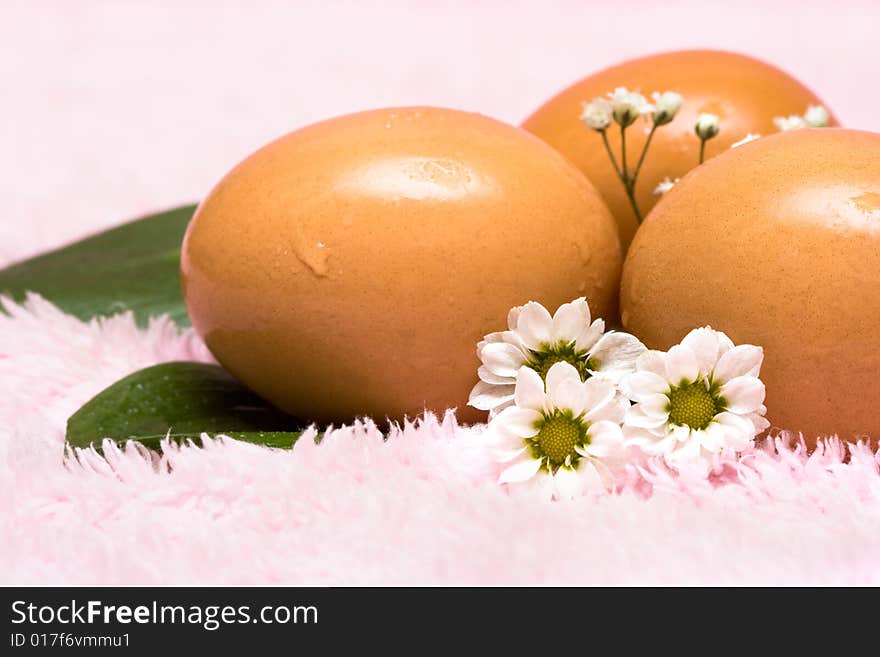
x,y
817,116
695,400
562,434
628,105
537,340
665,185
597,114
666,106
707,126
793,122
750,137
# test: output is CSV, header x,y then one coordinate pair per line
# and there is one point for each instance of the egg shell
x,y
745,93
776,243
350,267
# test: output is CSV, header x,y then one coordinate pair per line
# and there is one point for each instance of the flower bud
x,y
666,106
627,106
706,126
597,114
817,116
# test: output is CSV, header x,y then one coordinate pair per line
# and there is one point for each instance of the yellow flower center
x,y
560,433
562,352
694,404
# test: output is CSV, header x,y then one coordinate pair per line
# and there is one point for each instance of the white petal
x,y
681,433
605,438
520,471
636,417
488,377
591,479
714,437
568,483
529,389
506,455
636,437
681,363
570,320
589,335
498,336
655,406
615,354
739,427
519,421
689,450
652,361
513,317
743,394
761,423
502,359
534,325
512,337
558,373
600,402
667,445
487,396
569,395
640,385
706,346
499,436
613,410
742,360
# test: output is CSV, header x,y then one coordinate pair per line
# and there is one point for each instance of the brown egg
x,y
776,243
350,267
745,93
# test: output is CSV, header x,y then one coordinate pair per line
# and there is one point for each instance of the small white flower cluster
x,y
624,106
816,116
570,404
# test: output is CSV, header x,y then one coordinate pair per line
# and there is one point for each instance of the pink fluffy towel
x,y
419,506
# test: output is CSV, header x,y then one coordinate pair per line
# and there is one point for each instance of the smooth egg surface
x,y
350,267
745,93
776,243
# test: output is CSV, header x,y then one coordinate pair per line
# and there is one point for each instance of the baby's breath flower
x,y
666,106
665,185
707,126
793,122
745,140
628,105
597,114
817,116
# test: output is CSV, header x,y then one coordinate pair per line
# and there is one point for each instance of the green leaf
x,y
184,399
135,267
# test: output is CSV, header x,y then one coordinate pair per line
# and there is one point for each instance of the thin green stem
x,y
611,155
702,149
629,182
644,152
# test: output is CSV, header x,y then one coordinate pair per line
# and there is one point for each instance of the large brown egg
x,y
350,267
745,93
776,243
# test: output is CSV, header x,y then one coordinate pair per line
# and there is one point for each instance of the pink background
x,y
113,109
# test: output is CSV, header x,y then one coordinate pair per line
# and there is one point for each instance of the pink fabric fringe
x,y
421,507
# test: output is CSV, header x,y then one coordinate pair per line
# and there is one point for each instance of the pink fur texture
x,y
421,507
